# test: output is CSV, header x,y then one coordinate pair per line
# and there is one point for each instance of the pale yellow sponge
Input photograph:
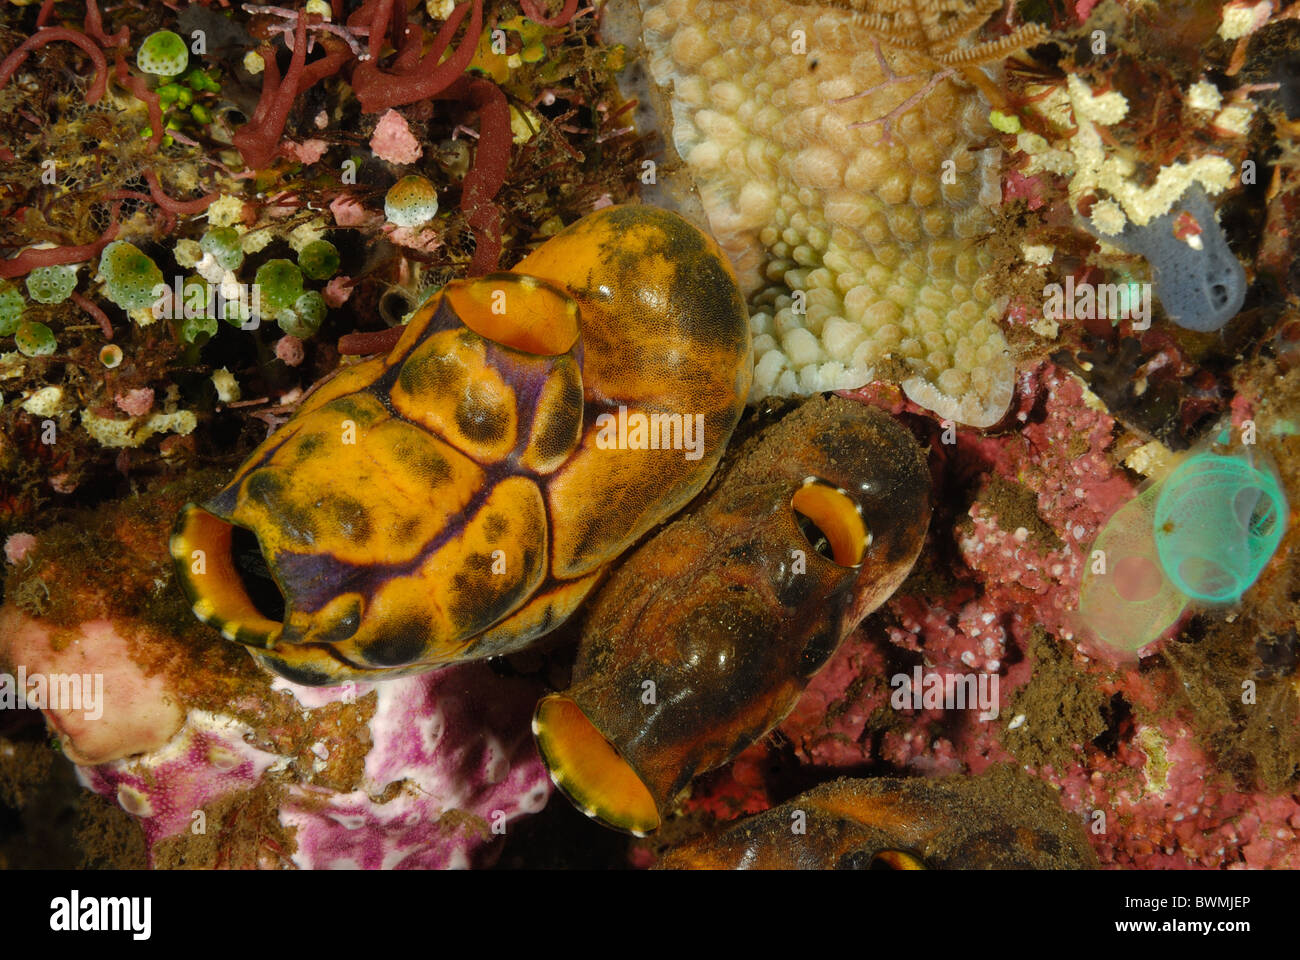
x,y
838,173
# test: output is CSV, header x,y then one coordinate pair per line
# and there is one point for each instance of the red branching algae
x,y
94,26
491,162
141,91
176,206
259,139
30,259
422,78
336,55
46,35
370,342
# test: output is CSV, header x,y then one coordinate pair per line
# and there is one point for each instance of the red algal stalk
x,y
370,342
168,220
142,93
491,163
176,206
423,78
11,63
96,314
29,260
94,25
259,139
336,55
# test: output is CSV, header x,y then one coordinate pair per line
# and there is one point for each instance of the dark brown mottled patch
x,y
494,526
428,371
558,423
482,418
401,643
349,516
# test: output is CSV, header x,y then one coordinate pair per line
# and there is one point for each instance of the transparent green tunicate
x,y
34,339
12,306
51,284
279,284
319,259
1218,520
130,277
223,243
1125,600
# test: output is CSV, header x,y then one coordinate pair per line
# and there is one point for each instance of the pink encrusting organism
x,y
450,765
393,140
453,744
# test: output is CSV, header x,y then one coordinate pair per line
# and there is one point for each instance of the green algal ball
x,y
235,312
12,305
51,284
319,259
191,328
163,54
168,93
130,277
34,339
279,284
223,244
194,296
305,318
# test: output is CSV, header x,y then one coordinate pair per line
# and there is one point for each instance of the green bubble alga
x,y
164,54
51,284
34,339
224,246
12,306
279,284
130,277
305,317
319,259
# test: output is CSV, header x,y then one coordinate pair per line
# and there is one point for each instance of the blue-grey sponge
x,y
1199,289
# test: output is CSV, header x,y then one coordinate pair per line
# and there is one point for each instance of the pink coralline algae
x,y
1013,582
338,290
135,402
309,151
450,764
1167,805
1063,461
289,351
349,212
393,140
165,790
18,545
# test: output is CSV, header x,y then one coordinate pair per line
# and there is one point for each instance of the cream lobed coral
x,y
835,161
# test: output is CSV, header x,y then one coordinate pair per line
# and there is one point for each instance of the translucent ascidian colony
x,y
851,221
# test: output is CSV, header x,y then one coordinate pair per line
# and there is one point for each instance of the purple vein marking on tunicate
x,y
317,578
327,571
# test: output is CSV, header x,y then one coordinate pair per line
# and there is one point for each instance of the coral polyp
x,y
838,162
